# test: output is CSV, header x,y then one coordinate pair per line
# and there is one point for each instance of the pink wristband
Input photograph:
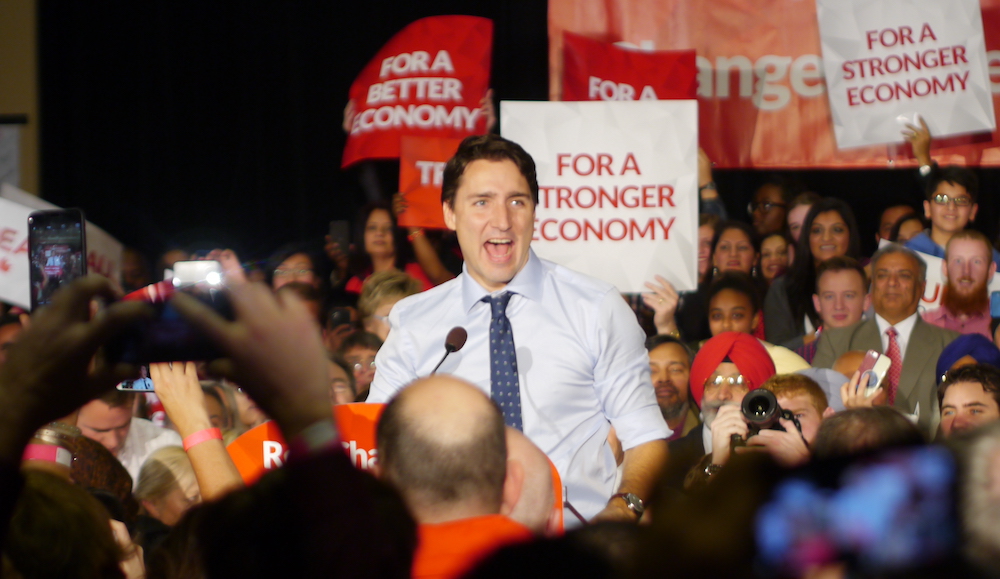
x,y
48,453
193,440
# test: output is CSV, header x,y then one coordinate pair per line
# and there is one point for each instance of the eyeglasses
x,y
718,381
292,272
942,199
764,207
360,365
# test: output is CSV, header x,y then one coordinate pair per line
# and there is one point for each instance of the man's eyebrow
x,y
978,404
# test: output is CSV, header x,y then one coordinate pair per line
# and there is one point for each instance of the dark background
x,y
218,123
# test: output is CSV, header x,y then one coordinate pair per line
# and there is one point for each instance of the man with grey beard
x,y
670,368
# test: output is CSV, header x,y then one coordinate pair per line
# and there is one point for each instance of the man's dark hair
x,y
442,472
361,339
861,430
985,375
487,147
954,175
841,263
118,398
654,342
739,282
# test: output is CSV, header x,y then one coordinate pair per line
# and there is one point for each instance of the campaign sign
x,y
356,423
428,80
887,62
258,450
421,168
618,196
595,70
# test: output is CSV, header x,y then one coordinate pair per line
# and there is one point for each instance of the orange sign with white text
x,y
421,166
258,450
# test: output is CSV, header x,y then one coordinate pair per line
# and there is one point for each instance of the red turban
x,y
742,349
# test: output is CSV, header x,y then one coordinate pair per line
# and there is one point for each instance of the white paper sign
x,y
890,60
104,253
618,195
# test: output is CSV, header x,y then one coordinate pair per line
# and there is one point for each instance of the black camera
x,y
761,411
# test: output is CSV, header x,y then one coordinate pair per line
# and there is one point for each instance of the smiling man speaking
x,y
559,352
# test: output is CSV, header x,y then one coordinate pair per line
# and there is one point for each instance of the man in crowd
x,y
950,205
441,443
807,402
670,368
109,420
968,268
841,297
912,345
970,397
579,366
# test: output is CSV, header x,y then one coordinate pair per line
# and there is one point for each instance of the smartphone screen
x,y
995,304
57,250
141,384
889,512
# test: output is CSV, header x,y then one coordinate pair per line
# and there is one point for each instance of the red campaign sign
x,y
762,98
595,70
428,80
421,166
258,450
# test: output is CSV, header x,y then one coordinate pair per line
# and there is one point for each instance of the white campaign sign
x,y
104,252
618,194
888,61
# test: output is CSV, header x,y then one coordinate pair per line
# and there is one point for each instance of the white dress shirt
x,y
143,439
581,365
903,331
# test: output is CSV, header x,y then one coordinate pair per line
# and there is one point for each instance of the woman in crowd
x,y
734,248
359,350
166,489
797,212
378,294
775,254
383,248
294,263
828,231
907,227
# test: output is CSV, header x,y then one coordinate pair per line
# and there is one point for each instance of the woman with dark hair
x,y
907,227
381,246
828,231
295,262
734,248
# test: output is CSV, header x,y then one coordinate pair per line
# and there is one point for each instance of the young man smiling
x,y
560,353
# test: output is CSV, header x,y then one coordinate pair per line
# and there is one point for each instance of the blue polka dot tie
x,y
505,388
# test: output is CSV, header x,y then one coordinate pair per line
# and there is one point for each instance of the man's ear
x,y
756,321
973,211
449,215
513,484
376,469
867,302
829,412
927,209
151,508
993,267
816,302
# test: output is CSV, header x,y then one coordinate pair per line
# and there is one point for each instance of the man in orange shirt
x,y
441,443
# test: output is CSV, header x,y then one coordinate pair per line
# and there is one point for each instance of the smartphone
x,y
340,233
995,304
339,317
141,384
877,366
168,337
57,248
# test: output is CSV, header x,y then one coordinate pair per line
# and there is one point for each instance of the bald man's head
x,y
441,443
533,507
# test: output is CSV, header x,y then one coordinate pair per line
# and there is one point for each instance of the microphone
x,y
453,343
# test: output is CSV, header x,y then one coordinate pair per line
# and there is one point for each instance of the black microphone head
x,y
456,339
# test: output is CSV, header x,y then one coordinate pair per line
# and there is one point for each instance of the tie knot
x,y
892,332
499,303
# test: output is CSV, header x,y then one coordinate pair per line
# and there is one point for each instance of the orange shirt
x,y
447,550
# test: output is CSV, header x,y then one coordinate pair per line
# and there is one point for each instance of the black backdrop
x,y
218,123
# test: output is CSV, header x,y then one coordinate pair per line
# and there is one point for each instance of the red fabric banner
x,y
597,70
428,80
762,97
421,164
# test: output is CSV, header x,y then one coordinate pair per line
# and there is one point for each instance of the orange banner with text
x,y
421,166
761,89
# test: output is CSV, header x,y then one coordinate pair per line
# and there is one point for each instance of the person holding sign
x,y
561,353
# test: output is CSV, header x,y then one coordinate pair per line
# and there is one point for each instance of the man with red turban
x,y
727,367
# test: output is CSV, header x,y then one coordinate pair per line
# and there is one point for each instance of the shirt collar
x,y
527,282
903,328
